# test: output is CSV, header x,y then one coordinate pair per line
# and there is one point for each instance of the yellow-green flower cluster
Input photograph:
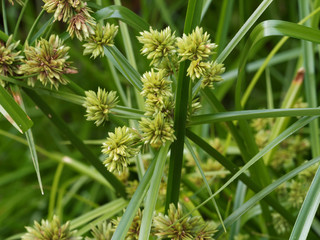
x,y
169,226
166,51
50,230
103,36
119,147
103,231
76,13
48,60
158,46
98,105
158,128
9,58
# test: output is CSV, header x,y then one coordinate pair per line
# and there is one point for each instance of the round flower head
x,y
82,23
103,36
98,105
9,58
49,230
158,46
155,83
197,69
62,9
184,230
120,146
157,131
48,60
195,46
102,232
212,74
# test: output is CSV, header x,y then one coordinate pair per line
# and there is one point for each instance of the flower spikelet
x,y
153,107
120,146
197,69
212,74
205,231
103,36
181,230
50,230
195,46
158,46
82,24
62,9
102,232
98,105
134,230
155,83
9,58
48,59
157,131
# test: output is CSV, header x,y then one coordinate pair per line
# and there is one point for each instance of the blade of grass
x,y
197,161
124,67
4,17
243,30
263,193
13,112
19,19
124,14
252,114
134,203
54,190
310,80
153,191
289,131
66,131
182,97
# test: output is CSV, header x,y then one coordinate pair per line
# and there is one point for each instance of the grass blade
x,y
123,14
13,112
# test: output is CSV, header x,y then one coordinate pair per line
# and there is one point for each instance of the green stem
x,y
19,19
180,114
33,27
54,190
85,151
4,17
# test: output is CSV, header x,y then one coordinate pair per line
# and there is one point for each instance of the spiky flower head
x,y
103,36
120,146
153,107
280,224
49,61
197,69
102,232
170,226
81,24
205,231
9,57
49,230
98,105
212,74
155,83
157,131
62,9
196,45
134,230
158,46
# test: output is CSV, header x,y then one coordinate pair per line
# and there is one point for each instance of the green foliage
x,y
251,169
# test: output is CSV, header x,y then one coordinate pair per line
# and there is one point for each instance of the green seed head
x,y
98,105
119,147
212,74
103,36
50,230
49,61
158,46
102,232
195,46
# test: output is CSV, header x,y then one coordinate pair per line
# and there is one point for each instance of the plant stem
x,y
4,17
19,19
